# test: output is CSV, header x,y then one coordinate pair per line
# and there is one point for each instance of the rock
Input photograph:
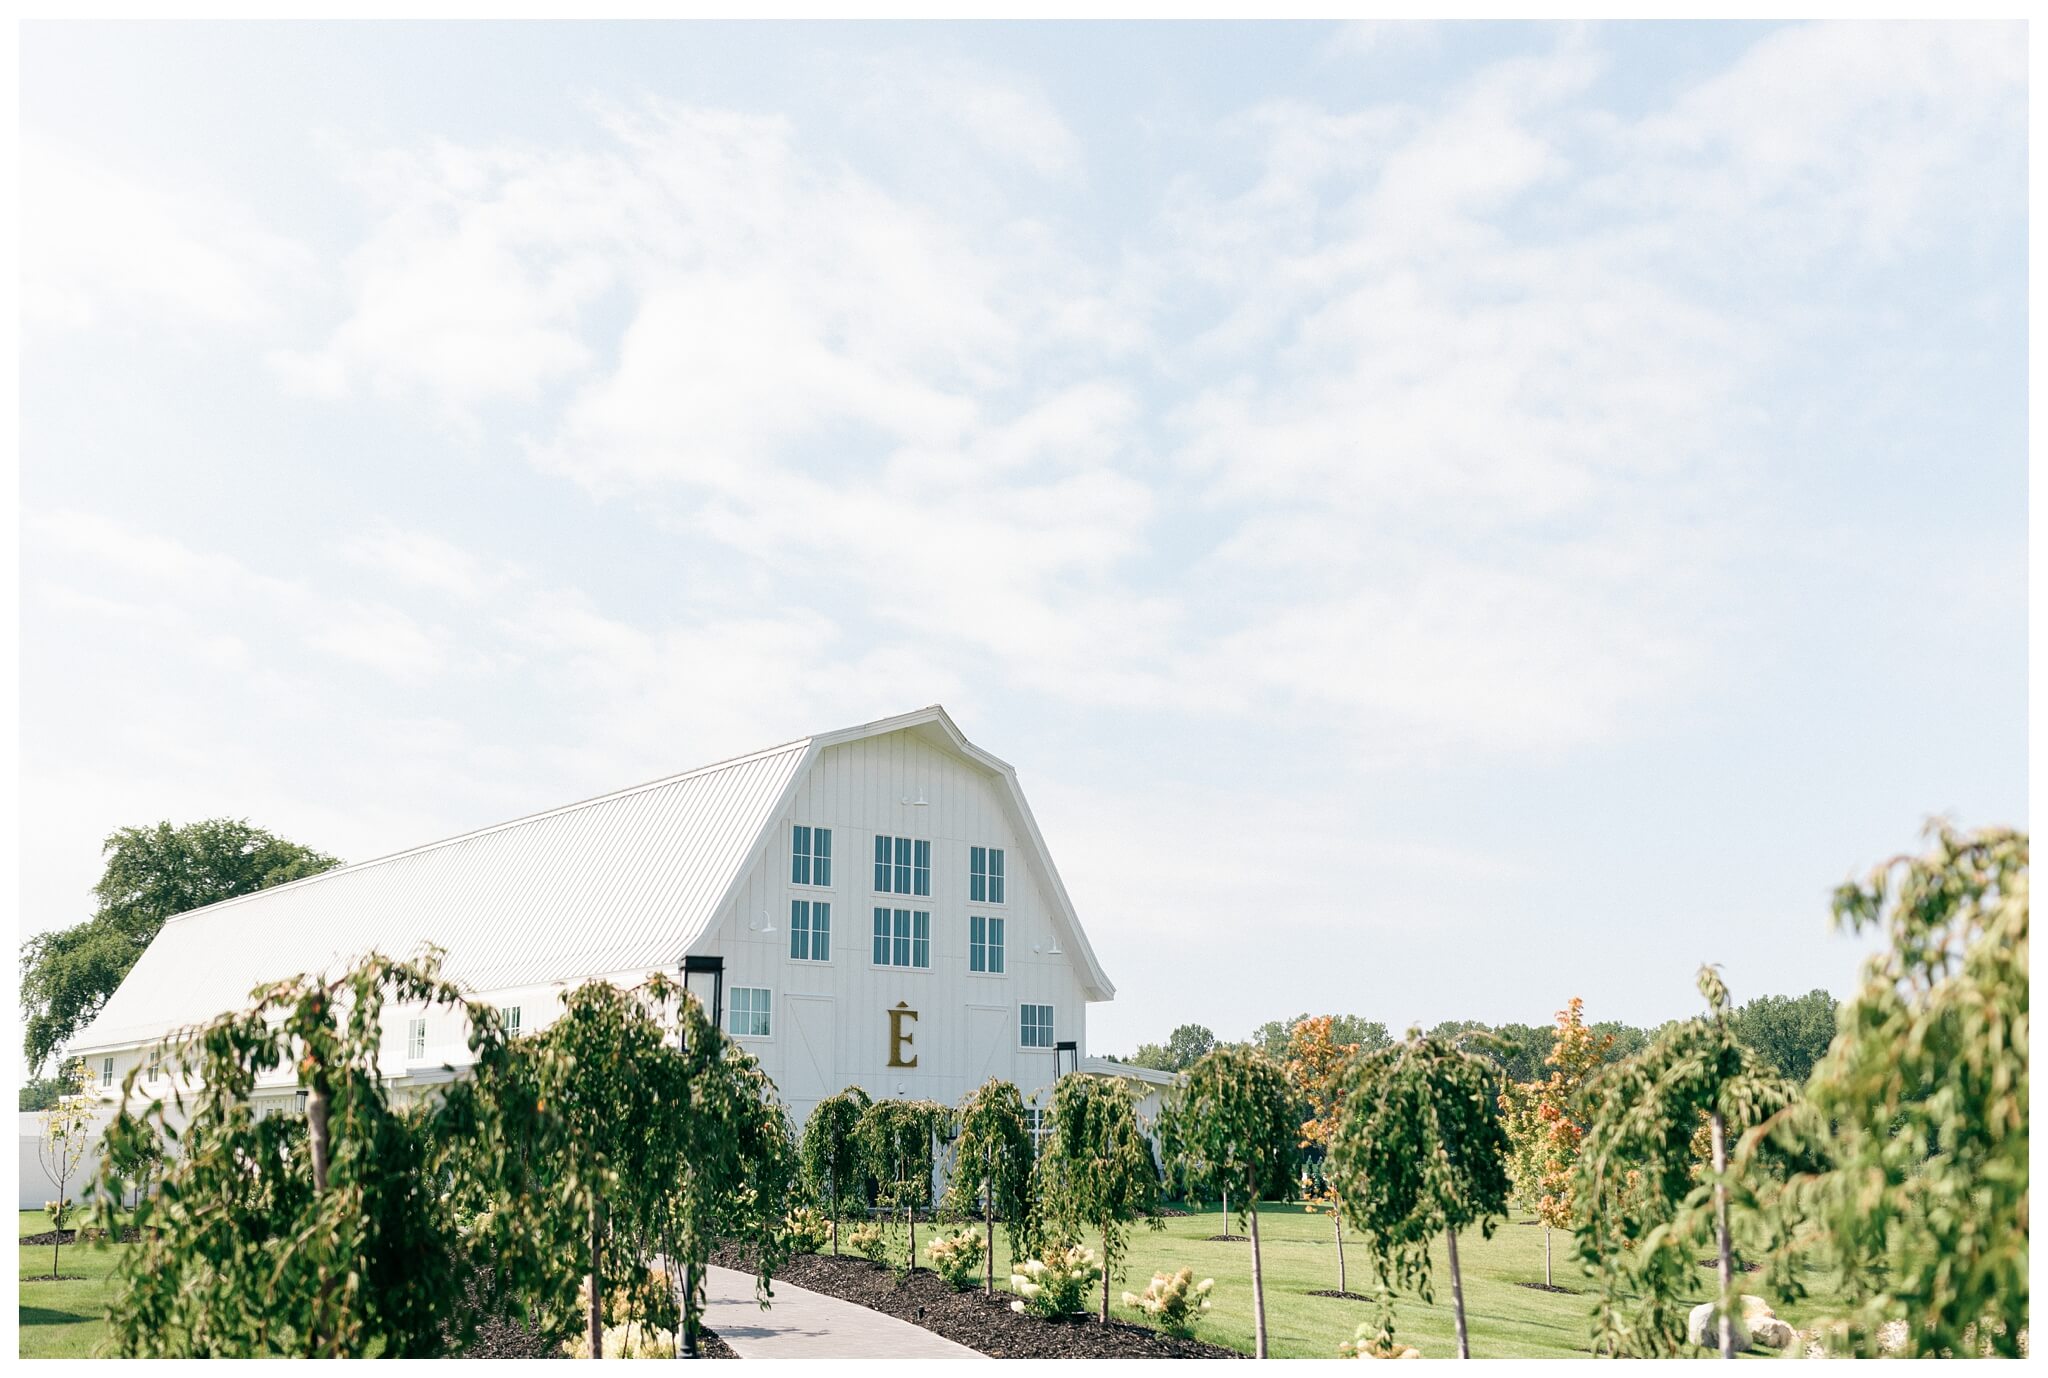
x,y
1770,1332
1702,1329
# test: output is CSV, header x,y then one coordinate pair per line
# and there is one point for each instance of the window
x,y
903,937
810,856
748,1016
903,866
810,930
416,1040
1034,1119
985,944
106,1071
1034,1026
510,1015
156,1063
985,875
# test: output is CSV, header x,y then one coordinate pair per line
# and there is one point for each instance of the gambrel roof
x,y
625,882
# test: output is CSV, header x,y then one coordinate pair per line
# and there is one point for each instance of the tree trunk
x,y
1726,1260
1226,1212
910,1219
1338,1218
316,1133
1457,1295
594,1317
1546,1256
57,1234
1258,1288
1105,1272
988,1217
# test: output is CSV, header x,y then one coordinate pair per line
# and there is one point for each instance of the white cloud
x,y
423,560
98,244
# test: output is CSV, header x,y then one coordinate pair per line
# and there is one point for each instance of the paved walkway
x,y
810,1325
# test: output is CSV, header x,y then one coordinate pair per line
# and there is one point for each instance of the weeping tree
x,y
1240,1126
321,1236
1095,1171
899,1146
1918,1112
834,1175
1650,1205
1419,1154
992,1161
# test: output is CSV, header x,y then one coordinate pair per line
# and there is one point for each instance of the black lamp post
x,y
1066,1057
703,978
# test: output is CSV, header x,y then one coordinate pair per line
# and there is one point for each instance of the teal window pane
x,y
881,865
821,856
821,932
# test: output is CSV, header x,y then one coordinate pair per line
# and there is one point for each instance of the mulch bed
x,y
1226,1238
984,1324
1548,1287
53,1277
1346,1296
1740,1266
129,1234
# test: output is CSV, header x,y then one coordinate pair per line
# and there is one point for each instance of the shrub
x,y
957,1258
58,1211
1056,1283
1368,1345
806,1229
1174,1303
869,1242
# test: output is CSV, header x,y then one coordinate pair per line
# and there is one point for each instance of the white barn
x,y
878,901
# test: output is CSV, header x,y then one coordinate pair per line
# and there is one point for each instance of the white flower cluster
x,y
1056,1282
1173,1302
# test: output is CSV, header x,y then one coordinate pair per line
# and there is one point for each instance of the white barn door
x,y
809,1071
988,1028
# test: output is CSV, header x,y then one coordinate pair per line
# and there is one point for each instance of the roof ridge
x,y
779,748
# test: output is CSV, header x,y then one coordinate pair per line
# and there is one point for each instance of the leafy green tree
x,y
1919,1111
1271,1038
40,1093
1790,1032
1419,1152
319,1236
150,875
1242,1130
1648,1211
992,1161
898,1140
834,1172
1095,1170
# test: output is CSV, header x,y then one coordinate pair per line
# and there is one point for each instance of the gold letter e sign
x,y
899,1037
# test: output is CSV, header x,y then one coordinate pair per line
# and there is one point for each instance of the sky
x,y
1444,519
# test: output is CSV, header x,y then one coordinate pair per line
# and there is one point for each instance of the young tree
x,y
1924,1094
898,1146
63,1138
1650,1212
1315,1070
321,1236
1241,1129
992,1163
150,874
834,1174
1095,1170
1419,1152
1545,1124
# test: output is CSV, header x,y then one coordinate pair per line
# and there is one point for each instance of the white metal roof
x,y
619,883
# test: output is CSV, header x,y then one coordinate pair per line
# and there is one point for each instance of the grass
x,y
1505,1318
63,1320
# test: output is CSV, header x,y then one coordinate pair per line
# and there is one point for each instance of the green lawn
x,y
1506,1320
63,1320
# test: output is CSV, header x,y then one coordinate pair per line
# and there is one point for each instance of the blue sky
x,y
1444,518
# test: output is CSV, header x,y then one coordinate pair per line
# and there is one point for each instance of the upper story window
x,y
810,930
903,866
985,944
903,937
156,1063
510,1016
985,875
1034,1026
748,1015
416,1039
106,1071
810,856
